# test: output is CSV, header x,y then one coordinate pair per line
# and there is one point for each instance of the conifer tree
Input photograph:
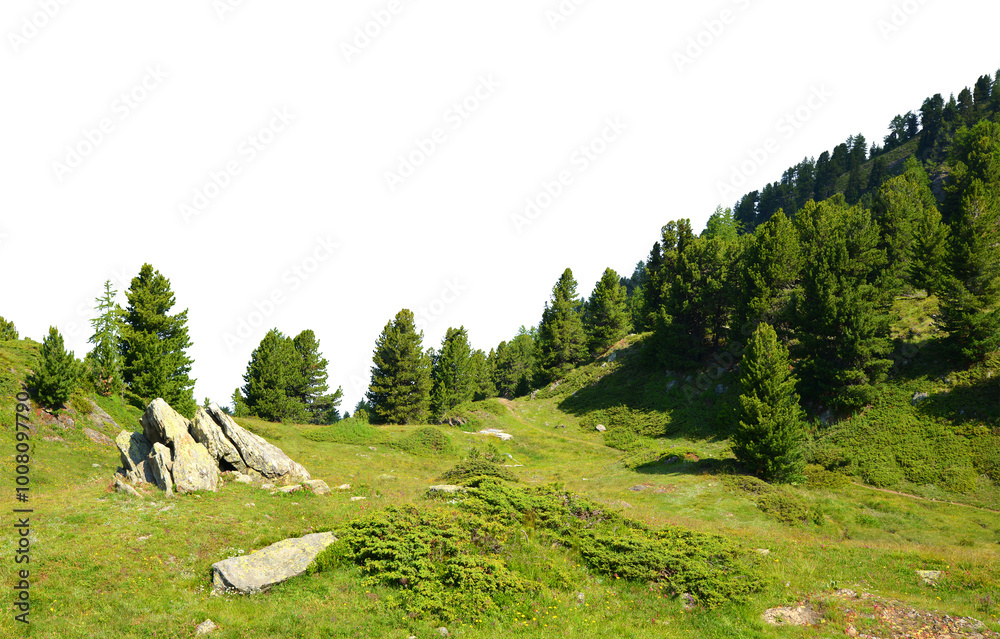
x,y
766,274
399,391
274,380
606,318
971,290
514,365
311,389
842,310
769,432
7,330
483,387
562,340
105,358
57,374
453,381
153,343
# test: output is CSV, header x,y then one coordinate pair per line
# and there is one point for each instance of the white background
x,y
450,226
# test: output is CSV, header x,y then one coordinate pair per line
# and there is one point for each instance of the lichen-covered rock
x,y
267,459
162,424
317,486
135,449
161,460
276,563
207,432
194,469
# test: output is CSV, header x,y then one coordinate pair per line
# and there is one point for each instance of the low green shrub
x,y
347,431
622,439
468,469
426,440
819,477
777,502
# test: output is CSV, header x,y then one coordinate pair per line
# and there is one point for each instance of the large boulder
x,y
162,463
276,563
194,469
162,424
135,449
207,432
267,459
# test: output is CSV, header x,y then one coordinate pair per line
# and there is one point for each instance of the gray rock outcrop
x,y
278,562
135,449
177,454
162,463
206,431
267,459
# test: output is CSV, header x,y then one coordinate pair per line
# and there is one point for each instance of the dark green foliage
x,y
624,418
310,390
105,359
842,311
514,364
606,318
57,373
444,565
623,439
711,568
561,339
765,276
453,380
153,344
399,391
7,330
274,380
483,386
971,290
769,434
697,301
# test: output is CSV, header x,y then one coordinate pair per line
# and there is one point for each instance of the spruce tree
x,y
514,365
842,309
311,389
57,374
766,274
769,432
606,317
153,343
274,380
399,391
7,330
483,386
562,340
453,381
971,290
105,359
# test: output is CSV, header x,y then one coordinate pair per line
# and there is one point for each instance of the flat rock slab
x,y
447,488
496,432
792,616
277,563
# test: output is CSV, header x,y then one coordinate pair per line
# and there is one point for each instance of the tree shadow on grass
x,y
978,401
682,466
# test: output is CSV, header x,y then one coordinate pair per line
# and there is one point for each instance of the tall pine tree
x,y
399,391
769,432
274,380
842,310
971,290
606,317
311,390
153,344
104,359
452,374
562,340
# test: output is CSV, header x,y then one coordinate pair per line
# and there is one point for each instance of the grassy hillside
x,y
104,564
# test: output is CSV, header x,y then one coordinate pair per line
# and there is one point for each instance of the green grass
x,y
107,565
